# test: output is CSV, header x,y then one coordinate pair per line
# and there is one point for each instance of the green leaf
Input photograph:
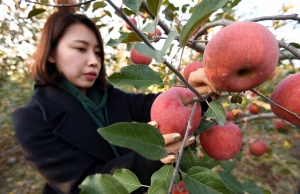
x,y
158,187
189,160
267,192
139,76
231,181
200,14
236,99
134,5
252,188
124,38
102,184
216,112
35,12
98,5
296,45
164,174
227,165
128,179
203,180
154,6
204,126
140,137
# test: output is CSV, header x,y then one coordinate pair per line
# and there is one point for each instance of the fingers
x,y
153,123
169,159
171,137
200,82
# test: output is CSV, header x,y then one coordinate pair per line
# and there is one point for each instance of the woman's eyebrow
x,y
86,43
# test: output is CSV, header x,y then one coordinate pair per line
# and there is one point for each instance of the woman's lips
x,y
91,75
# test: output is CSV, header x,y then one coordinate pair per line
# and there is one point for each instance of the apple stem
x,y
275,103
189,126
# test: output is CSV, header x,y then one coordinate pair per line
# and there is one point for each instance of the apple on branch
x,y
156,33
287,94
253,109
240,56
139,58
193,66
257,147
281,124
172,110
179,188
133,20
222,142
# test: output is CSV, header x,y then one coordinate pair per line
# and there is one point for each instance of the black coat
x,y
60,140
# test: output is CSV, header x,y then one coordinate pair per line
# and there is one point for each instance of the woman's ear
x,y
51,58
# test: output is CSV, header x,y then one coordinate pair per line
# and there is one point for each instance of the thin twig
x,y
255,117
189,126
276,17
290,48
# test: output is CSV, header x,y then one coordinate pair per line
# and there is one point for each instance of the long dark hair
x,y
44,72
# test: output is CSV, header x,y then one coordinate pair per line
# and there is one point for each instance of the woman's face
x,y
77,56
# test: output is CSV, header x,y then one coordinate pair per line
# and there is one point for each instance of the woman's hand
x,y
173,142
199,81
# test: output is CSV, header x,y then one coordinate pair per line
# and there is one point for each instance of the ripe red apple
x,y
179,188
287,94
193,66
253,109
66,8
156,33
222,142
139,58
240,56
257,147
133,20
229,116
281,124
172,110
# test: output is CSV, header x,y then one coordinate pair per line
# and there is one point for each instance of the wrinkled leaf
x,y
202,11
139,76
140,137
134,5
128,179
216,112
204,126
189,160
102,184
203,180
35,12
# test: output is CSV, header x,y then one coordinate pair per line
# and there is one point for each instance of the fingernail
x,y
192,138
177,136
172,158
153,123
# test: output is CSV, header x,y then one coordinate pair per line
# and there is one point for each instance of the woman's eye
x,y
81,49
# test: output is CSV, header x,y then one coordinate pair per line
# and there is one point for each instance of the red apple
x,y
287,94
133,20
172,110
257,147
222,142
229,116
139,58
193,66
179,188
156,33
66,8
240,56
253,109
281,124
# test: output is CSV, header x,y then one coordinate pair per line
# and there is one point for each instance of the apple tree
x,y
243,62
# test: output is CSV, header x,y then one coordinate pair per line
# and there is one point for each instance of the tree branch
x,y
61,5
276,17
290,48
255,117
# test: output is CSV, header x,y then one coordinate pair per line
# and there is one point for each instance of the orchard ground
x,y
277,171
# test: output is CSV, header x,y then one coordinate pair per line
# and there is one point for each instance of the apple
x,y
287,94
172,110
281,124
222,142
139,58
133,20
193,66
229,116
179,188
156,33
240,56
66,8
253,109
237,113
257,147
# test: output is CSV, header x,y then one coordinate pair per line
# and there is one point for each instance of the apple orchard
x,y
243,59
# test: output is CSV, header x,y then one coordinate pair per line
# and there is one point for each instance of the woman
x,y
57,130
